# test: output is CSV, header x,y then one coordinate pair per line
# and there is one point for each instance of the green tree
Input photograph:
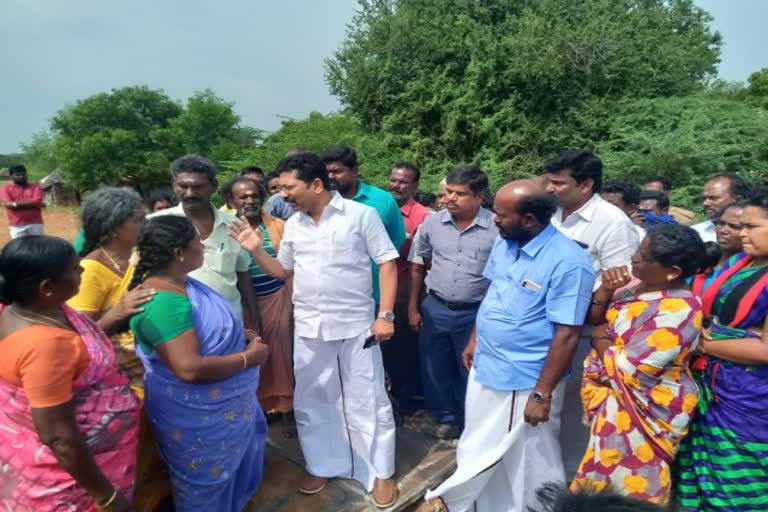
x,y
39,156
317,132
110,135
757,90
506,84
686,139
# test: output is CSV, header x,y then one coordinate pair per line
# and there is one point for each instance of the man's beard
x,y
341,189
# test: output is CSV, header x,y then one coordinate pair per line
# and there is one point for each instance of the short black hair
x,y
738,185
409,166
308,168
758,201
665,183
17,168
160,194
251,169
339,153
541,206
28,261
675,245
553,497
270,176
660,197
425,198
158,238
583,165
469,175
226,189
630,193
194,164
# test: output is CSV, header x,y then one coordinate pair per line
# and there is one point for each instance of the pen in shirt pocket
x,y
221,248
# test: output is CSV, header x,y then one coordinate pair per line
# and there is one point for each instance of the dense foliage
x,y
506,84
137,131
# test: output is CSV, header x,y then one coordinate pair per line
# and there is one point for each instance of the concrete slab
x,y
422,463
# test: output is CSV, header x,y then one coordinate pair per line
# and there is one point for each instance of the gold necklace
x,y
41,319
118,268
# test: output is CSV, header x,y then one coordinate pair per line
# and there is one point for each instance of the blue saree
x,y
210,435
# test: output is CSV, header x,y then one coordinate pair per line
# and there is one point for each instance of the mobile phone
x,y
369,341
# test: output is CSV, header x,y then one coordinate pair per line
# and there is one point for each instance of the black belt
x,y
453,305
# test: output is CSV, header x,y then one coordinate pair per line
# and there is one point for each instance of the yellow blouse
x,y
100,290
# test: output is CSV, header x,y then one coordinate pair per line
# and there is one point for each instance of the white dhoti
x,y
29,229
501,460
343,415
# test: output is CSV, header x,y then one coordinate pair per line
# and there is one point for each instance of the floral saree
x,y
640,396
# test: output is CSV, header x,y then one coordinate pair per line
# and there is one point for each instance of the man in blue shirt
x,y
526,332
341,163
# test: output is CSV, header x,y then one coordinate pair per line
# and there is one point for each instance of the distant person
x,y
23,202
653,210
401,354
272,182
426,199
718,192
662,184
251,172
441,194
622,194
343,171
160,199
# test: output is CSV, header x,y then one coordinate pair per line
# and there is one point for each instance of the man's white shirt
x,y
706,231
331,262
610,236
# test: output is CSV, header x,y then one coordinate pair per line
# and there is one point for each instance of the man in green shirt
x,y
341,163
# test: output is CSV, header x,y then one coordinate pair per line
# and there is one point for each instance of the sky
x,y
266,56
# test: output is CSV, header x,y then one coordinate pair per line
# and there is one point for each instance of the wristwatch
x,y
538,397
387,315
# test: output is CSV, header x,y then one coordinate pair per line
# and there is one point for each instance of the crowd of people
x,y
564,330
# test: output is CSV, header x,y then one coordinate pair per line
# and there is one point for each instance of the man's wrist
x,y
388,316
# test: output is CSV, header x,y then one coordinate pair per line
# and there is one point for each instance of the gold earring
x,y
181,259
670,278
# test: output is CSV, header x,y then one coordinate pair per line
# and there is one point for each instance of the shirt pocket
x,y
478,260
346,248
523,303
220,261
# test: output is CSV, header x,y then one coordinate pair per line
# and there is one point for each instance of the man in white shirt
x,y
343,415
719,192
610,239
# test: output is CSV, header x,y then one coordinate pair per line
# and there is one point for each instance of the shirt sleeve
x,y
164,318
488,271
413,252
569,295
285,254
424,245
48,368
377,241
4,196
94,289
618,245
394,224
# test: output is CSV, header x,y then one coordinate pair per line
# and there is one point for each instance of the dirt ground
x,y
59,223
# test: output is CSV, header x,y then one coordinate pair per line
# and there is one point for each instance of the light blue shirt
x,y
277,207
385,204
533,288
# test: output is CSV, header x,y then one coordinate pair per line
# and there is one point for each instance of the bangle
x,y
245,360
111,500
600,302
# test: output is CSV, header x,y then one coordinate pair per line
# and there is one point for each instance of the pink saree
x,y
107,415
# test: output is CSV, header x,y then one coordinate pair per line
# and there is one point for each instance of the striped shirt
x,y
263,284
